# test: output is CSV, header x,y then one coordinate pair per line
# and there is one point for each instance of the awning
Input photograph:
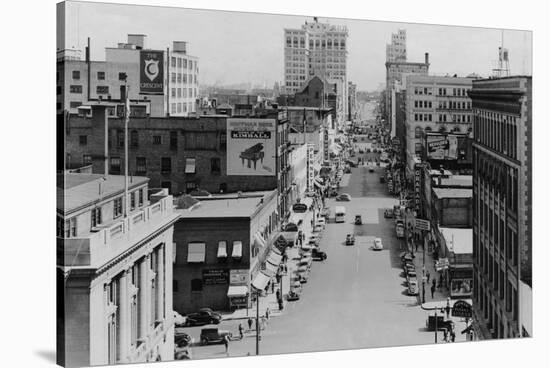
x,y
190,166
222,249
237,249
237,291
196,252
274,258
260,281
271,268
316,183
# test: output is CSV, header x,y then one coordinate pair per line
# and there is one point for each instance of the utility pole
x,y
258,322
126,121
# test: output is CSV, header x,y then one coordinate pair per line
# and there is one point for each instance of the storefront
x,y
238,288
461,280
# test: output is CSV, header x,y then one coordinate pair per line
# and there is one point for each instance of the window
x,y
196,285
173,62
121,76
157,139
115,166
86,159
215,166
173,92
173,77
190,186
166,164
417,132
184,63
223,141
101,75
117,207
140,197
75,89
141,165
102,90
83,140
76,74
132,200
174,140
134,138
96,216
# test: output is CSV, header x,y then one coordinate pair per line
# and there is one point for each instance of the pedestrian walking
x,y
428,276
445,335
273,285
448,307
267,314
432,289
453,336
250,323
278,294
241,334
226,343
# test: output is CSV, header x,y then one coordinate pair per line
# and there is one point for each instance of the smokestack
x,y
427,58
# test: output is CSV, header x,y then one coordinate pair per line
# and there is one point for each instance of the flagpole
x,y
126,121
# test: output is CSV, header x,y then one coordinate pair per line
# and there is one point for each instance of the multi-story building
x,y
221,245
352,100
435,105
114,267
395,72
317,49
396,51
502,231
84,82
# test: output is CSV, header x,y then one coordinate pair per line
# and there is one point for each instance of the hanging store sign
x,y
310,168
151,72
461,308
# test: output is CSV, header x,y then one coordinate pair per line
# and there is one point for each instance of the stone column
x,y
160,285
144,297
124,318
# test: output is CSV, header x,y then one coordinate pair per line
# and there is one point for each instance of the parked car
x,y
408,266
388,213
318,255
412,288
371,169
411,275
378,244
361,151
382,179
179,320
358,220
344,197
213,336
181,339
204,316
293,295
350,239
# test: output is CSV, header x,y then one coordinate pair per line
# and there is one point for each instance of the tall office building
x,y
317,49
397,49
502,149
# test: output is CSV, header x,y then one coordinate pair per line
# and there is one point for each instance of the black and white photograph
x,y
220,187
235,184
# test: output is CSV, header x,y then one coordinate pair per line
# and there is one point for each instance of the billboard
x,y
441,147
251,145
151,72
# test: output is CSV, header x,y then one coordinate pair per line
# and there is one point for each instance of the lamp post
x,y
257,322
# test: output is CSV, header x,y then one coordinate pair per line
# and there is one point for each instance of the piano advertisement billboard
x,y
251,147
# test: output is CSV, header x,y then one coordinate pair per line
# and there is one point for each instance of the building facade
x,y
317,49
396,51
81,82
435,105
502,233
114,266
220,246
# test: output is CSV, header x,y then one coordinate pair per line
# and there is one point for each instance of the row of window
x,y
182,63
184,92
77,88
457,92
455,105
315,44
181,107
100,75
184,78
497,131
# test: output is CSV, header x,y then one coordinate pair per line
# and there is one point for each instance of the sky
x,y
238,47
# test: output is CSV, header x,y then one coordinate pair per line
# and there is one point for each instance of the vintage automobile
x,y
388,213
358,220
412,287
293,295
318,255
213,336
350,239
378,244
344,197
371,169
181,339
204,316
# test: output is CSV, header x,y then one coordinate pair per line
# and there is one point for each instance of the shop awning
x,y
271,268
237,249
240,290
196,252
260,281
222,249
274,258
190,166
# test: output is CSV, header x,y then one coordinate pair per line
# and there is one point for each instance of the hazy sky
x,y
236,47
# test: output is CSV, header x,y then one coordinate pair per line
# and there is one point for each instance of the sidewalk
x,y
440,296
269,299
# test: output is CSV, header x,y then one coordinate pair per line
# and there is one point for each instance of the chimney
x,y
426,58
100,123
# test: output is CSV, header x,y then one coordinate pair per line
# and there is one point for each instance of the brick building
x,y
502,231
221,244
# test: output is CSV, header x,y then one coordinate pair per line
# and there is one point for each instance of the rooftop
x,y
459,241
84,189
452,193
224,208
458,180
